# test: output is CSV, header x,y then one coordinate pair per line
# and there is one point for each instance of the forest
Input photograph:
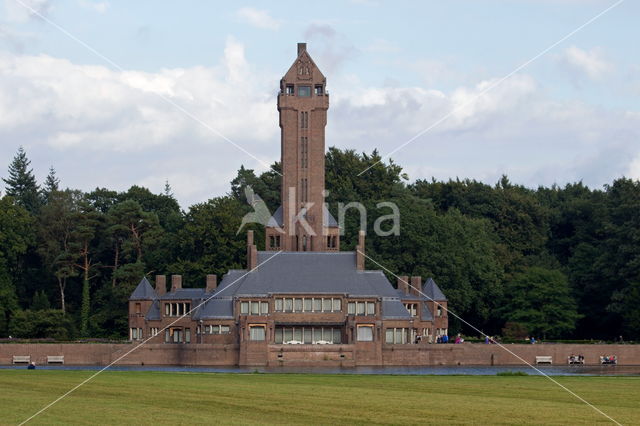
x,y
559,262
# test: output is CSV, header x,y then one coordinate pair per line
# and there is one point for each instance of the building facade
x,y
301,296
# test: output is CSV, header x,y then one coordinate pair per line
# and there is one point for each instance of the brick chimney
x,y
252,252
416,285
403,284
301,48
176,282
212,283
161,284
360,252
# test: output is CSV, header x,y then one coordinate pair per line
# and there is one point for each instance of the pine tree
x,y
51,183
21,184
40,301
167,189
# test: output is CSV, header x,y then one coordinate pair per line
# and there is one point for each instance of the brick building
x,y
302,294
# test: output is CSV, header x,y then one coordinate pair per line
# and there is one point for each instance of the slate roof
x,y
431,289
426,313
143,291
330,273
392,308
276,219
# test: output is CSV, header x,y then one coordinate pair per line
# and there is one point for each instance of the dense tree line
x,y
558,262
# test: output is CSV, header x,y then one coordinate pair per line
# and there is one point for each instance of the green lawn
x,y
187,398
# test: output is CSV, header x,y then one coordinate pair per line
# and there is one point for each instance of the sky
x,y
116,93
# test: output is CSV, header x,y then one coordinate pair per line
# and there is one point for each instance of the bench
x,y
22,359
609,360
544,359
55,359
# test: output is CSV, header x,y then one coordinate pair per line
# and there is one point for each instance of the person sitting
x,y
31,366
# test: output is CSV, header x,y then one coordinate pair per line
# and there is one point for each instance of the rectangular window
x,y
167,309
278,307
257,332
439,311
308,305
319,90
365,333
337,305
297,334
167,336
187,335
264,308
138,308
360,308
255,308
304,91
351,308
317,305
278,336
337,336
289,89
297,305
224,329
288,335
288,305
371,308
389,336
326,305
244,308
134,334
307,336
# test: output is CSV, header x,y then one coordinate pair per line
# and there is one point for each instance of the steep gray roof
x,y
426,313
215,308
392,308
154,312
184,293
143,291
306,272
276,219
431,289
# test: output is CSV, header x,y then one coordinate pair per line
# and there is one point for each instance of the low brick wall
x,y
304,355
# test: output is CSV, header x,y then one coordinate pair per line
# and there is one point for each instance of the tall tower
x,y
302,223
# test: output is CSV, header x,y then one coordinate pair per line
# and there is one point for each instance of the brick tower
x,y
302,223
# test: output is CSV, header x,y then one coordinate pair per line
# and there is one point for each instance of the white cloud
x,y
591,63
100,127
98,6
258,18
25,10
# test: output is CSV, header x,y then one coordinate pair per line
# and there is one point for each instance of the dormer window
x,y
319,90
304,91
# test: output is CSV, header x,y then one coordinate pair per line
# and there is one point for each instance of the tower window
x,y
304,91
289,89
319,90
304,120
304,151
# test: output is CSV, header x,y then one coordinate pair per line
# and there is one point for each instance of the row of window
x,y
213,329
254,308
177,335
361,308
135,334
304,91
313,304
177,309
308,335
412,308
274,241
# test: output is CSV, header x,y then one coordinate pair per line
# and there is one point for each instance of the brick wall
x,y
329,355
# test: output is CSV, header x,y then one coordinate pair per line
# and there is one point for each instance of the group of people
x,y
576,359
445,339
609,359
490,340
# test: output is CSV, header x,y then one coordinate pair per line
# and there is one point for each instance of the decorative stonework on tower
x,y
302,223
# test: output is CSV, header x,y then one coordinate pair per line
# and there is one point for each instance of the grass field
x,y
187,398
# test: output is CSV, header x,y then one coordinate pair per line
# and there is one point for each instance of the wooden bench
x,y
22,359
544,360
55,359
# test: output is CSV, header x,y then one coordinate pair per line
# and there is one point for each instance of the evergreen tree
x,y
40,301
21,183
51,184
